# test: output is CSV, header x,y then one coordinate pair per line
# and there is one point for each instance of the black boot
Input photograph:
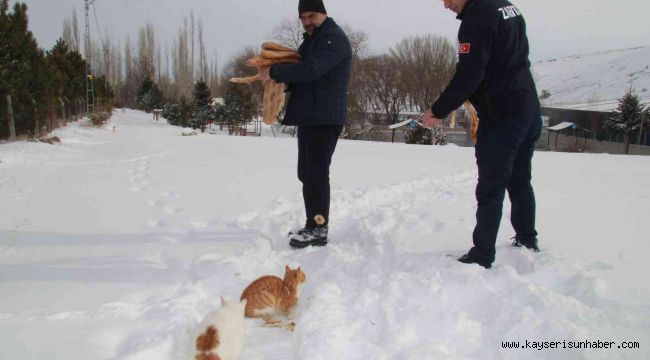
x,y
530,243
308,225
473,257
312,236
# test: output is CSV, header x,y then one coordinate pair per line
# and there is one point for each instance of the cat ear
x,y
298,268
287,268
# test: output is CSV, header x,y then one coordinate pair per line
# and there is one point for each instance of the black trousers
x,y
316,145
504,151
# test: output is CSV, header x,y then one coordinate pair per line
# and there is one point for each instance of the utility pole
x,y
90,89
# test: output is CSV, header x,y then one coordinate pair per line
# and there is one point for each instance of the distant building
x,y
591,123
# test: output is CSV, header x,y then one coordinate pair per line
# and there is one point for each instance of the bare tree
x,y
359,94
360,98
75,31
116,78
67,35
165,82
106,50
71,32
129,88
146,53
181,63
288,33
159,63
426,64
387,88
192,62
358,41
215,79
203,62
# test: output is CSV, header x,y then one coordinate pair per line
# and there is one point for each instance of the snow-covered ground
x,y
595,81
115,245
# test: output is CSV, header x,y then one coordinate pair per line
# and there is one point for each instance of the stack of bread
x,y
274,93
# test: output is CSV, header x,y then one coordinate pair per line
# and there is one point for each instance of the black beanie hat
x,y
311,5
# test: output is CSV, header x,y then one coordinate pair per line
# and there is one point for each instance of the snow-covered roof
x,y
562,126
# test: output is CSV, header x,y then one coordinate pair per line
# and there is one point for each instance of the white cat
x,y
221,333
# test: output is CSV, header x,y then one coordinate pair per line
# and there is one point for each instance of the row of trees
x,y
175,67
38,87
406,77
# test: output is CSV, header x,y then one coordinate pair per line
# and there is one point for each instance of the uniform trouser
x,y
504,151
316,145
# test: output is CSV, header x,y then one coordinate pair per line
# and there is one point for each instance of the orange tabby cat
x,y
270,295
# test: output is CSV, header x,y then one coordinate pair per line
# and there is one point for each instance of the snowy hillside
x,y
115,245
595,81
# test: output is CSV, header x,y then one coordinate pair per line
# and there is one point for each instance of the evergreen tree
x,y
172,113
219,113
202,97
77,76
36,80
149,96
24,74
418,135
4,65
186,110
239,106
60,68
627,117
438,136
67,70
203,111
201,117
423,136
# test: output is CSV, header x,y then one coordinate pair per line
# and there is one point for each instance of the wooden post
x,y
10,113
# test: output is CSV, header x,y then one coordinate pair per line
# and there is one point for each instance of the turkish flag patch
x,y
464,48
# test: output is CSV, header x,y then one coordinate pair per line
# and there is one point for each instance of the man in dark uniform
x,y
318,88
493,72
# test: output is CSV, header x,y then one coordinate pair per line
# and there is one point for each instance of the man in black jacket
x,y
317,104
493,72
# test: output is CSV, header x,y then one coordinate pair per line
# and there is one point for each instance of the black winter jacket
x,y
493,70
318,86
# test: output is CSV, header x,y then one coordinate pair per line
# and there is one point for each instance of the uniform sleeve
x,y
330,51
476,37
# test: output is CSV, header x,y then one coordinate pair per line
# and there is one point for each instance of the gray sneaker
x,y
315,236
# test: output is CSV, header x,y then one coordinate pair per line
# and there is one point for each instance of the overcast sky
x,y
555,27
